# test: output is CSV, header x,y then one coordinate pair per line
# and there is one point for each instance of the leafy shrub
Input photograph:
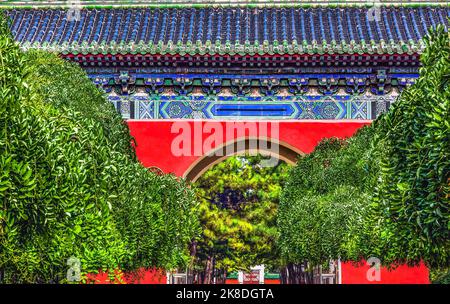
x,y
411,197
324,202
440,276
51,208
70,184
153,213
65,86
394,175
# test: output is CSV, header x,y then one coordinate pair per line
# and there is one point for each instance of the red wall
x,y
142,276
357,274
154,139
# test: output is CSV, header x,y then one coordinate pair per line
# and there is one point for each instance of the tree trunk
x,y
296,274
191,278
208,270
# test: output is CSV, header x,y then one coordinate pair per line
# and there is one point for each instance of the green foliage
x,y
385,191
324,201
440,276
322,227
50,208
70,184
157,217
239,199
411,197
64,85
154,213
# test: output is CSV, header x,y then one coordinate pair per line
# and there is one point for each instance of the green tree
x,y
385,191
411,201
324,202
238,204
154,214
50,211
70,184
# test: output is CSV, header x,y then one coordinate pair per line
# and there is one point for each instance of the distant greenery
x,y
70,184
385,191
239,199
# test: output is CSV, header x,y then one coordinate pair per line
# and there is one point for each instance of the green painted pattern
x,y
213,48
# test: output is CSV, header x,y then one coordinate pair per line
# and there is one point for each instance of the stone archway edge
x,y
286,153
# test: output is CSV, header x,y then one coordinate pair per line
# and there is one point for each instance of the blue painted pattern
x,y
266,108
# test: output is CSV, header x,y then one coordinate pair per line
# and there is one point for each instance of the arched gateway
x,y
250,145
311,71
157,140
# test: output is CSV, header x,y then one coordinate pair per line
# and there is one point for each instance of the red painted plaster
x,y
154,139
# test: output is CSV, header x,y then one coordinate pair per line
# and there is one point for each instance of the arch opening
x,y
252,146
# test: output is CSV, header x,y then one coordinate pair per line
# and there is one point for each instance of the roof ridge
x,y
217,3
